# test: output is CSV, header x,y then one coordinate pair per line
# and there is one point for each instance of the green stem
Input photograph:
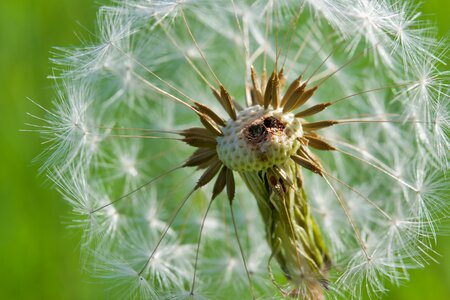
x,y
291,231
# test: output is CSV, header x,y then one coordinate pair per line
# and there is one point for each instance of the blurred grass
x,y
39,257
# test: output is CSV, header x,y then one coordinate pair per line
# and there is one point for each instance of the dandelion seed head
x,y
298,149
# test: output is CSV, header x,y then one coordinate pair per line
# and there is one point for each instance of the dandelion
x,y
253,149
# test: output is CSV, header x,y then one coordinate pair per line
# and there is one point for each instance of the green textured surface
x,y
38,255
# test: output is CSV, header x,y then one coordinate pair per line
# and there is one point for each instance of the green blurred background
x,y
39,257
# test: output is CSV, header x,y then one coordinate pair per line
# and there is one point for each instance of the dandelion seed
x,y
299,149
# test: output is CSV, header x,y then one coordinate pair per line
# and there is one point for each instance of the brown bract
x,y
266,94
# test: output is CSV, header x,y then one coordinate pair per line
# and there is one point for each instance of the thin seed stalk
x,y
291,231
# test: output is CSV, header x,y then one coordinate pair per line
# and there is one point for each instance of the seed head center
x,y
259,139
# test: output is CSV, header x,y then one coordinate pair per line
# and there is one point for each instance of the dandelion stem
x,y
362,152
198,48
246,51
233,219
171,220
266,33
380,169
359,194
190,62
325,42
371,90
353,59
198,246
366,120
291,32
291,226
349,218
139,129
323,62
153,73
136,189
312,29
143,137
163,92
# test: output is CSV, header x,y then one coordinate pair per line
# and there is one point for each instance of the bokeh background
x,y
39,257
